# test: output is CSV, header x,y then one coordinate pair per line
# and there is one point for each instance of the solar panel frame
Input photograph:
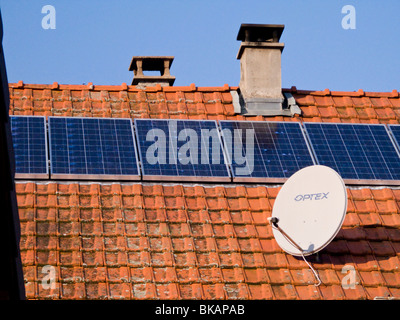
x,y
33,175
153,177
361,181
267,179
86,176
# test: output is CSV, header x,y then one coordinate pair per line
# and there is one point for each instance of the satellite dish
x,y
309,210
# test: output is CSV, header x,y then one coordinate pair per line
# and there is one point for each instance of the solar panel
x,y
260,151
188,150
30,146
92,148
394,130
360,153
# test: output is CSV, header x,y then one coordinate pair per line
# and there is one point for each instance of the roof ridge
x,y
122,87
192,87
359,93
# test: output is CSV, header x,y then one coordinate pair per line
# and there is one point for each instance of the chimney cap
x,y
152,63
260,32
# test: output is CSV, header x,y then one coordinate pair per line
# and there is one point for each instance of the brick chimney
x,y
260,87
151,63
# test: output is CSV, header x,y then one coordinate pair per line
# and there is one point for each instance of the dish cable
x,y
274,222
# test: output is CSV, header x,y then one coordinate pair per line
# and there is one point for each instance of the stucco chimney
x,y
260,70
151,63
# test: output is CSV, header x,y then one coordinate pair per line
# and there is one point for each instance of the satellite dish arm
x,y
274,221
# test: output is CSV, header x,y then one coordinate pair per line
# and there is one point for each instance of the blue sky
x,y
94,41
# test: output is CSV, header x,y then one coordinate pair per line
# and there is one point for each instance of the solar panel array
x,y
201,150
265,151
30,146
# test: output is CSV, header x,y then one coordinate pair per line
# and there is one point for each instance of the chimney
x,y
151,63
260,87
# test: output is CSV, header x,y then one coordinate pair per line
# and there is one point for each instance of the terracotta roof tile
x,y
374,292
277,260
366,262
308,292
284,292
393,232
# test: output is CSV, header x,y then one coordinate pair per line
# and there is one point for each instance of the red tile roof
x,y
193,102
183,241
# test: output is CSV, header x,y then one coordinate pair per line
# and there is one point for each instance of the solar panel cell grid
x,y
92,147
395,133
273,151
184,149
355,151
30,146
